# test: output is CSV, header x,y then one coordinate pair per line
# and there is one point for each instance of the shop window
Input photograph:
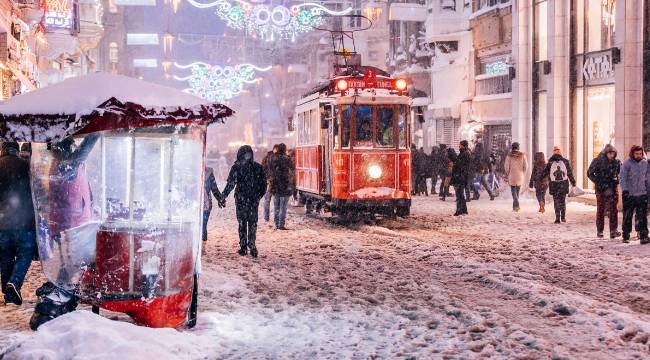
x,y
595,23
363,125
385,126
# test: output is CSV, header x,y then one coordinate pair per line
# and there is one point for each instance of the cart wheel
x,y
95,309
194,305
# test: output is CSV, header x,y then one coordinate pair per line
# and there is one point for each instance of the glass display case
x,y
118,216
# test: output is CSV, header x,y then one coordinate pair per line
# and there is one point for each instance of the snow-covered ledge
x,y
492,97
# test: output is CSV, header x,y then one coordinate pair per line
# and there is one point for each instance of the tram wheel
x,y
403,211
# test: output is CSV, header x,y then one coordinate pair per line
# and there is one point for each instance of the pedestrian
x,y
267,171
516,166
558,170
635,184
249,181
460,177
17,235
481,164
450,159
604,171
211,189
434,169
538,181
292,174
26,151
422,168
443,170
281,168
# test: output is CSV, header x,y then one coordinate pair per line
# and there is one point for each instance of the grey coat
x,y
635,177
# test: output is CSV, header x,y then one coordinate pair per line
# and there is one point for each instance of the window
x,y
113,53
595,25
484,4
385,126
494,85
402,122
363,122
335,125
345,125
142,39
447,47
541,30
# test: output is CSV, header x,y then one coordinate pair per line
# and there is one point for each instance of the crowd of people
x,y
471,171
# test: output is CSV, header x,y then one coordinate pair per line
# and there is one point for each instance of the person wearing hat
x,y
558,170
17,237
604,171
516,166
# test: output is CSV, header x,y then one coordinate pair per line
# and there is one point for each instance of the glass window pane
x,y
402,118
363,123
541,31
345,125
385,126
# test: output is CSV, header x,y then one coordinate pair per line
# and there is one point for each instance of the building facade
x,y
579,78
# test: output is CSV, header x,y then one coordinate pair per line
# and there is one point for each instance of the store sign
x,y
598,68
58,14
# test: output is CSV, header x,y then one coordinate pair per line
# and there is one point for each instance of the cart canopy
x,y
97,102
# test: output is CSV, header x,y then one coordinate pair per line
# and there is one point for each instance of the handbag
x,y
576,191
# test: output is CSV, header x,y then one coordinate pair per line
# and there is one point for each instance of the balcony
x,y
493,84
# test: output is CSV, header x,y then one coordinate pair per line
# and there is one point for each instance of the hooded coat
x,y
605,173
281,167
246,177
16,207
516,165
537,179
559,187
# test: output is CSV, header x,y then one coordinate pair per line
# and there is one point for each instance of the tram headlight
x,y
342,85
400,84
374,171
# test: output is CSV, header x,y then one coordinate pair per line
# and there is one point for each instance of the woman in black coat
x,y
560,174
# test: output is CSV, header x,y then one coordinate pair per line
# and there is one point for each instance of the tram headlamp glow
x,y
342,85
400,84
374,171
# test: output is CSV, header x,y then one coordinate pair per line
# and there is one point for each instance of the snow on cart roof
x,y
55,112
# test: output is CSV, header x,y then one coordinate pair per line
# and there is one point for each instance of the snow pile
x,y
82,95
84,335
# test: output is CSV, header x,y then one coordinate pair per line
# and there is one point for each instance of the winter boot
x,y
242,251
12,295
254,252
52,303
614,234
626,238
600,234
557,220
644,240
542,208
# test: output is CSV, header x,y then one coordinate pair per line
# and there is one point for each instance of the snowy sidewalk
x,y
494,283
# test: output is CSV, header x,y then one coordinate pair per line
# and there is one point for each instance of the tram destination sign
x,y
368,81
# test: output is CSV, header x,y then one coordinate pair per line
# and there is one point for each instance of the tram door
x,y
328,118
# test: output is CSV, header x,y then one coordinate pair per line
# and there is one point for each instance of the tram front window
x,y
345,125
385,126
363,125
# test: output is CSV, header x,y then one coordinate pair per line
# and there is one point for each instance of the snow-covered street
x,y
492,284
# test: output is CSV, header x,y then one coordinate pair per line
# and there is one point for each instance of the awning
x,y
493,112
407,12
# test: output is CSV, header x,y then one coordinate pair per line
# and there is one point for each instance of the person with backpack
x,y
249,181
558,170
538,181
516,166
635,184
604,171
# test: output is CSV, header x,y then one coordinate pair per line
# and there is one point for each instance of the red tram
x,y
353,145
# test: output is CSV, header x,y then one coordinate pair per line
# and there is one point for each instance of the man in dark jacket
x,y
460,177
433,169
17,237
422,169
558,170
635,184
249,181
443,161
281,168
267,171
210,189
604,171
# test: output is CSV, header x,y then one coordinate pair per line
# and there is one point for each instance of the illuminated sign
x,y
368,81
58,14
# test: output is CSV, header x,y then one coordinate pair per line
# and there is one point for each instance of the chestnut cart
x,y
118,190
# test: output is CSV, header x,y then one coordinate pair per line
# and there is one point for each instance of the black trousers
x,y
434,182
206,218
247,218
461,203
635,205
559,203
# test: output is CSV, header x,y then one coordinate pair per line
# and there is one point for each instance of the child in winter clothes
x,y
559,171
539,182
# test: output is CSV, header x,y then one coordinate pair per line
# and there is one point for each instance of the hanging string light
x,y
270,22
218,83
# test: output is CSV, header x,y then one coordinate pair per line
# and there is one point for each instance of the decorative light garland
x,y
269,22
217,83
